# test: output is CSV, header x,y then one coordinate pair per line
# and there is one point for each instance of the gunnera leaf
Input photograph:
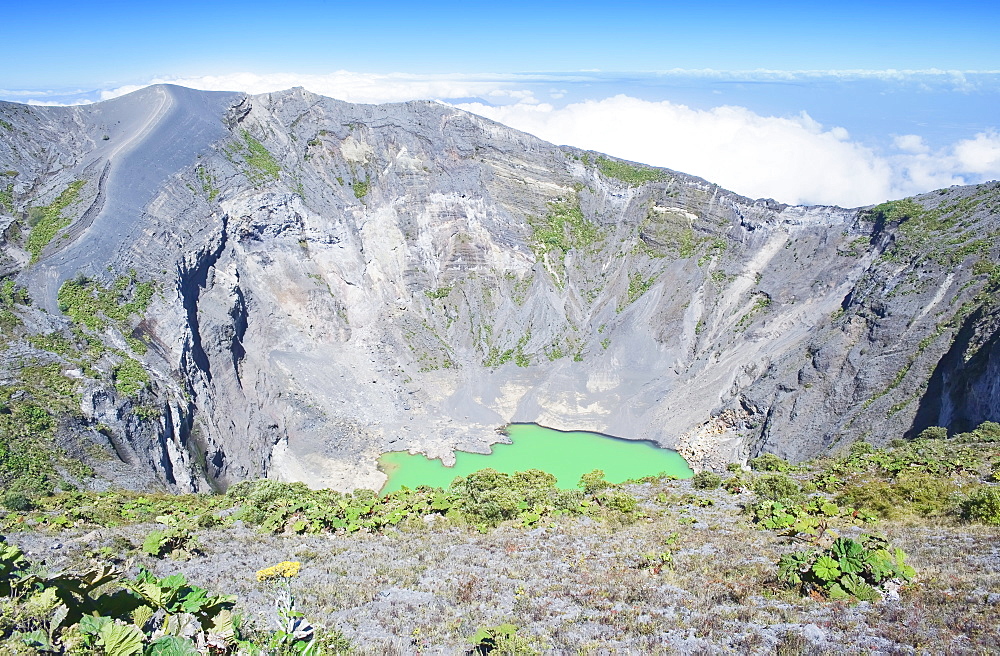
x,y
171,646
154,543
826,568
837,593
850,555
902,569
858,587
790,566
121,639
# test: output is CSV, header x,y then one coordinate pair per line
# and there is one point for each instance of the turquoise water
x,y
566,455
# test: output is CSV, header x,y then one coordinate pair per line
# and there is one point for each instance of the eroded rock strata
x,y
334,281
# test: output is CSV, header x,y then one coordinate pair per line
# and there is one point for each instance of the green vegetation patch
x,y
360,188
943,234
946,235
261,165
807,517
854,248
129,376
437,294
897,211
630,174
89,303
12,294
928,477
983,506
45,385
848,569
760,303
29,406
637,286
497,356
670,231
562,229
7,197
208,183
47,220
483,499
26,468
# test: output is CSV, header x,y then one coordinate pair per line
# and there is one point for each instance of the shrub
x,y
18,502
810,517
933,433
623,502
593,481
776,487
706,480
988,431
490,497
861,448
735,484
983,506
98,611
769,462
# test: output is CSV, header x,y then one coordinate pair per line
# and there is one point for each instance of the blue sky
x,y
906,93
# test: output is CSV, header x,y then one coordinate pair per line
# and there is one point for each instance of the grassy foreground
x,y
875,551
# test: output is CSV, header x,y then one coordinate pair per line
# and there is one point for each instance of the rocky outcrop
x,y
339,280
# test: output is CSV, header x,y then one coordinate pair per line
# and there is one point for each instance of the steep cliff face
x,y
334,281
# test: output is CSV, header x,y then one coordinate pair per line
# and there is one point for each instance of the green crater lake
x,y
566,455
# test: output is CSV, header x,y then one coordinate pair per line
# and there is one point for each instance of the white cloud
x,y
362,87
54,103
792,159
910,143
980,154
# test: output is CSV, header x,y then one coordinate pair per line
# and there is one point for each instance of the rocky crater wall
x,y
336,280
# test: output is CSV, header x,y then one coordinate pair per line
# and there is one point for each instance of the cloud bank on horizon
x,y
794,160
791,157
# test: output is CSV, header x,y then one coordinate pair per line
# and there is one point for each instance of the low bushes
x,y
706,480
776,487
921,494
770,463
983,505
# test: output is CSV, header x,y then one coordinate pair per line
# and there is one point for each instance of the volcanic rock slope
x,y
333,281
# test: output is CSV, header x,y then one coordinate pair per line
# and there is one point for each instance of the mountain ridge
x,y
337,280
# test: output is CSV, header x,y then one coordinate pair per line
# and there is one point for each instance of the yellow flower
x,y
287,570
